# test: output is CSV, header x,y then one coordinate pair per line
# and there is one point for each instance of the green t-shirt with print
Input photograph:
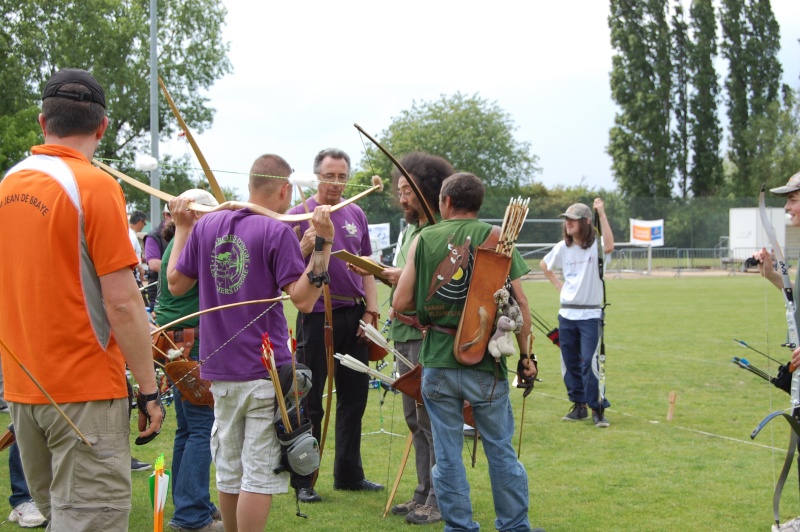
x,y
170,308
444,263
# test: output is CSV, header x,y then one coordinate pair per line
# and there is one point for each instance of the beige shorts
x,y
244,444
77,487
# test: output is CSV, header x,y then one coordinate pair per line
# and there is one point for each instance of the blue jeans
x,y
19,488
190,478
444,392
579,342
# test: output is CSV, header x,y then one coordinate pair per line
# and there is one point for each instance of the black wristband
x,y
142,400
320,241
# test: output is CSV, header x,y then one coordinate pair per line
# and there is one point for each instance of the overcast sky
x,y
304,72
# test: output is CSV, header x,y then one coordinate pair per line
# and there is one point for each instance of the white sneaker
x,y
27,515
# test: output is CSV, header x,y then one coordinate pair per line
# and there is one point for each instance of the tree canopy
x,y
110,38
474,134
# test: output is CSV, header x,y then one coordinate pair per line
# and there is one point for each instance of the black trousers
x,y
352,388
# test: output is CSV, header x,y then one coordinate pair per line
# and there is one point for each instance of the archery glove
x,y
144,416
524,381
783,379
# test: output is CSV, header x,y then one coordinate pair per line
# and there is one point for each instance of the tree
x,y
110,38
750,44
475,135
680,62
706,166
641,85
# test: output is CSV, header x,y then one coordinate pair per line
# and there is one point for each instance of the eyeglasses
x,y
339,178
405,194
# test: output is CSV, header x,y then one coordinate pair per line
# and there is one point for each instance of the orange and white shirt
x,y
62,227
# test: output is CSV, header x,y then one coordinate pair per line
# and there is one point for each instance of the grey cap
x,y
791,186
577,211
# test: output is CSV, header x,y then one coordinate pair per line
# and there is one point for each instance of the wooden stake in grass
x,y
673,397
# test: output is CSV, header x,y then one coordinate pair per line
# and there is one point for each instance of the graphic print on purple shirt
x,y
351,233
240,256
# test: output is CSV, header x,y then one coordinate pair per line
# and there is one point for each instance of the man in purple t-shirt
x,y
237,256
353,298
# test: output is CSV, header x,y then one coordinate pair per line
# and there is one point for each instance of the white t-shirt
x,y
137,247
582,284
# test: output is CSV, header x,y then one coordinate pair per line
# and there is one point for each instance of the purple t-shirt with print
x,y
239,256
351,233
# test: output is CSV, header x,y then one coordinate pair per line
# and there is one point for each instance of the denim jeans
x,y
444,392
19,488
190,477
579,341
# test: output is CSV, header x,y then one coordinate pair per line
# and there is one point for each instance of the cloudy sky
x,y
304,72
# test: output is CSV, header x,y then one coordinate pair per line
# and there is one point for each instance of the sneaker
x,y
424,515
599,419
213,526
578,412
136,465
27,515
217,515
406,507
4,409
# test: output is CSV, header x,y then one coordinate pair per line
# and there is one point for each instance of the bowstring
x,y
385,303
226,342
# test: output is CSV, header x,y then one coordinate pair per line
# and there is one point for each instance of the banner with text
x,y
647,232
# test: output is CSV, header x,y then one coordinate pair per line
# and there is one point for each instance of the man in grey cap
x,y
581,301
791,191
72,315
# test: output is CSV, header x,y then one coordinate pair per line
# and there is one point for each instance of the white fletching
x,y
378,339
145,162
303,179
356,365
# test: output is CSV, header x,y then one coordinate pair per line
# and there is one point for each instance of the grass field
x,y
699,472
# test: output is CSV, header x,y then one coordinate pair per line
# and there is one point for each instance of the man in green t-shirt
x,y
191,453
434,283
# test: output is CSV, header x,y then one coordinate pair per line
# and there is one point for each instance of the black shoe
x,y
364,485
136,465
599,419
308,495
578,412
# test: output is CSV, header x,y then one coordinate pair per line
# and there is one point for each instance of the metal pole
x,y
155,180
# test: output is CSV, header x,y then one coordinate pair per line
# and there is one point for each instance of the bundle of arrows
x,y
514,218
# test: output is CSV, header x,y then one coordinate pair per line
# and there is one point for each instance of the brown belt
x,y
354,300
446,330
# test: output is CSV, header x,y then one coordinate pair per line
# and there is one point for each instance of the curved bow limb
x,y
794,439
215,188
377,186
8,351
215,309
328,331
792,333
422,201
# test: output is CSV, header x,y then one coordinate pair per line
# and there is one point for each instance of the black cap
x,y
67,76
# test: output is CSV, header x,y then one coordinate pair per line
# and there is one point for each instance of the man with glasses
x,y
353,298
428,172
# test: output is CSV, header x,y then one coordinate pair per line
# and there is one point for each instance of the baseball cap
x,y
792,185
576,211
198,195
67,76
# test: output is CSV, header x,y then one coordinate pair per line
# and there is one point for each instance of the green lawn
x,y
699,472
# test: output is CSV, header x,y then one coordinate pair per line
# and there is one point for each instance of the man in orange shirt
x,y
71,313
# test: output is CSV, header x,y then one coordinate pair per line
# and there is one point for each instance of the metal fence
x,y
643,260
